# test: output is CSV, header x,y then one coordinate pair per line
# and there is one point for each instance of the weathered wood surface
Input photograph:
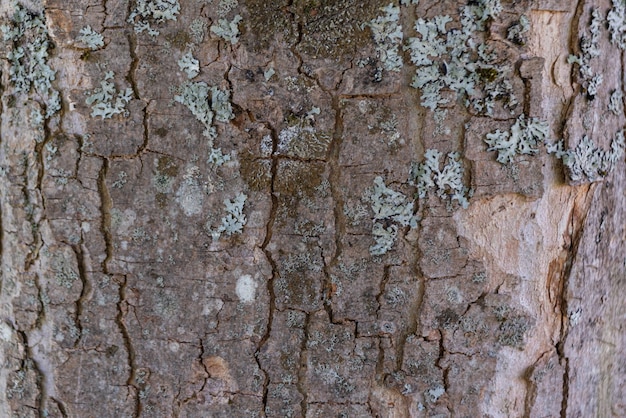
x,y
116,301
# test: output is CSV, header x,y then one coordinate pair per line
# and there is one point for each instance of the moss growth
x,y
298,273
302,140
512,330
297,184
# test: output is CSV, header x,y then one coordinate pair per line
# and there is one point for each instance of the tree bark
x,y
255,235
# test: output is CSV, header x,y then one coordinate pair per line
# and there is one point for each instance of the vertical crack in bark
x,y
85,290
122,306
574,38
334,181
414,311
132,79
122,311
442,351
33,216
106,12
268,254
304,361
267,239
106,204
381,292
578,216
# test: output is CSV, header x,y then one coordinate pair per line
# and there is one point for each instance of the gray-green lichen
x,y
27,43
147,12
588,163
524,137
234,220
616,20
446,180
391,210
106,100
388,37
91,38
616,103
206,103
449,56
229,31
189,65
517,33
589,49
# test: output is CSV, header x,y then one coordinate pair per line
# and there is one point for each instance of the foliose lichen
x,y
147,12
106,100
588,163
517,33
234,220
589,49
616,103
189,65
524,137
388,37
206,103
457,59
229,31
447,182
617,23
91,38
391,209
26,37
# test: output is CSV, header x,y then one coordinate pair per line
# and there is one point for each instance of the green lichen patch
x,y
26,45
454,56
586,162
147,13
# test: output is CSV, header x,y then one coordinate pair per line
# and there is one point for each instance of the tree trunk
x,y
311,208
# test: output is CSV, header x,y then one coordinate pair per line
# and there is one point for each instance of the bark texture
x,y
121,298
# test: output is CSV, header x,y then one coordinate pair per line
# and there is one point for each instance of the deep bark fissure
x,y
379,339
84,292
122,312
268,254
577,219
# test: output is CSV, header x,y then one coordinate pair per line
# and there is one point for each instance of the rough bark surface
x,y
118,300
